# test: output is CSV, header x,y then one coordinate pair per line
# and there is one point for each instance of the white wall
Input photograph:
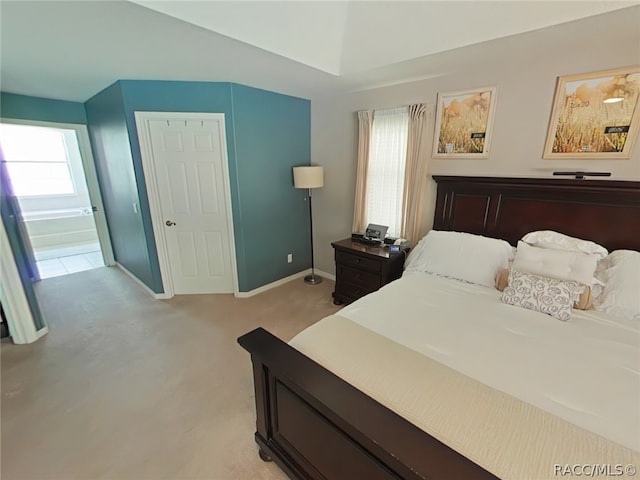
x,y
523,67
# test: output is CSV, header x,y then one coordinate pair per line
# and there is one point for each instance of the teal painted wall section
x,y
24,107
170,96
107,126
267,134
272,135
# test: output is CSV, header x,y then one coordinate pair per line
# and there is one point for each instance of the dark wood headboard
x,y
604,211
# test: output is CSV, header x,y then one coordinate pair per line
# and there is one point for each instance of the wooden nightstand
x,y
362,269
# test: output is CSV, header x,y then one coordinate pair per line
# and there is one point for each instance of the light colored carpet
x,y
127,387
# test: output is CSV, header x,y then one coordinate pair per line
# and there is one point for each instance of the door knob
x,y
169,223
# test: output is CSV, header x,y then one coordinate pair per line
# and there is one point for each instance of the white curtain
x,y
386,169
365,121
415,184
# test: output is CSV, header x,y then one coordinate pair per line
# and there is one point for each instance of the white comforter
x,y
585,371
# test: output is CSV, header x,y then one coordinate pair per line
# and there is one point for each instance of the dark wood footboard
x,y
315,425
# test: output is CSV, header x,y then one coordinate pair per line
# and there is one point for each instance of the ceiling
x,y
72,50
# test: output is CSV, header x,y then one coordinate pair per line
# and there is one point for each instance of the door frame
x,y
90,176
22,327
153,192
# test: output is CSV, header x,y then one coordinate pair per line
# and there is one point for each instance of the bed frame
x,y
317,426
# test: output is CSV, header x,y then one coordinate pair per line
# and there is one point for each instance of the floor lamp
x,y
309,177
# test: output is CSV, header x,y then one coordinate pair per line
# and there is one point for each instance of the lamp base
x,y
312,279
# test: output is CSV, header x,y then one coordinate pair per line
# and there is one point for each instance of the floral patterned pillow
x,y
542,294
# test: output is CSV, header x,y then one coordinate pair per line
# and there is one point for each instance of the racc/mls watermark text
x,y
594,470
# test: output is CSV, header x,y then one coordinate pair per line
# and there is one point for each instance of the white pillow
x,y
621,294
464,256
558,264
560,241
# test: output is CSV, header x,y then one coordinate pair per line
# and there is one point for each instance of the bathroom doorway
x,y
54,182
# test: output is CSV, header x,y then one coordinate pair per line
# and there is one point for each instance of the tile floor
x,y
56,267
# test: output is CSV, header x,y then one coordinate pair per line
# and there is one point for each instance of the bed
x,y
316,424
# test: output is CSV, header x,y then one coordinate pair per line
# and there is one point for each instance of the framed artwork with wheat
x,y
463,123
595,115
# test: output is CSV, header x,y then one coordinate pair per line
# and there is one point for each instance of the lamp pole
x,y
311,279
309,177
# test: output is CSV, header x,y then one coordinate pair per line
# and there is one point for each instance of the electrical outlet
x,y
290,258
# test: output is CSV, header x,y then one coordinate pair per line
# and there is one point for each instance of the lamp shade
x,y
308,177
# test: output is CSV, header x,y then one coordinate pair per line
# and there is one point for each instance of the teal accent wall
x,y
267,134
24,107
272,135
109,136
168,96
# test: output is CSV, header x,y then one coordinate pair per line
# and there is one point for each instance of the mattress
x,y
518,392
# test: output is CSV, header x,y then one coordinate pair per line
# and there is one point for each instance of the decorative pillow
x,y
583,303
464,256
542,294
560,241
558,264
620,273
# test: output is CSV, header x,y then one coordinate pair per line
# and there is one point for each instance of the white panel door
x,y
188,156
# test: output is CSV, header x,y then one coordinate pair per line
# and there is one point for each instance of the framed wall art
x,y
463,123
595,115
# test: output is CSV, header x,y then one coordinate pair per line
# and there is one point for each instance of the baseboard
x,y
275,284
326,275
157,296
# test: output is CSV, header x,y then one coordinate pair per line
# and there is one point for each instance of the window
x,y
386,168
392,170
37,160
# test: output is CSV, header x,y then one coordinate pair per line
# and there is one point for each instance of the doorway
x,y
54,182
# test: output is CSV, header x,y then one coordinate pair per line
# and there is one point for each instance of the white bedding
x,y
585,371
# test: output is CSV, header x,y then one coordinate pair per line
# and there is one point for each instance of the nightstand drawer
x,y
358,277
358,262
353,291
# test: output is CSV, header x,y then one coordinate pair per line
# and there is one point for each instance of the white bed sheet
x,y
585,371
